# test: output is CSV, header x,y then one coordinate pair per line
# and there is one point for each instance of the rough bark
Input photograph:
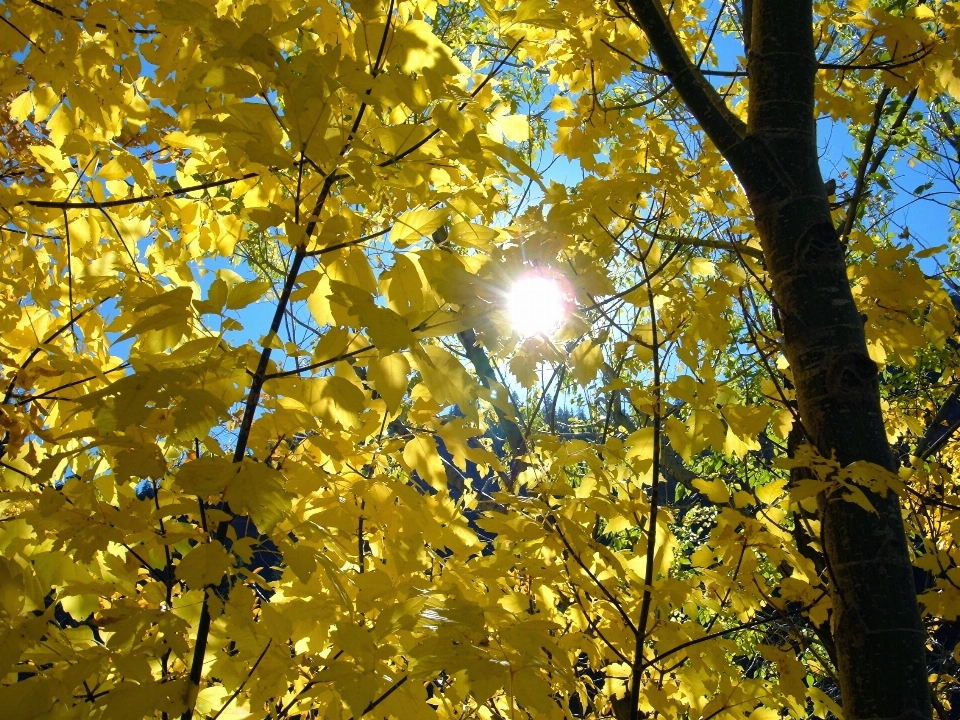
x,y
876,621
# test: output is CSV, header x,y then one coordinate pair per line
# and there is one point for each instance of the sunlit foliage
x,y
271,446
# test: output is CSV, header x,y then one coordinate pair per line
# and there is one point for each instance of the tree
x,y
876,627
271,447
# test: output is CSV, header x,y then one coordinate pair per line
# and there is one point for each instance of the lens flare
x,y
536,305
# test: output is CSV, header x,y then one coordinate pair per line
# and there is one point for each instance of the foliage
x,y
270,447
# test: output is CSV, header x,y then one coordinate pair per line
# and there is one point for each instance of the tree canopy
x,y
272,447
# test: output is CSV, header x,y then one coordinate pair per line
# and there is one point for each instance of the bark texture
x,y
880,642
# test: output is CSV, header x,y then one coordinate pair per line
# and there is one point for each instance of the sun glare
x,y
536,305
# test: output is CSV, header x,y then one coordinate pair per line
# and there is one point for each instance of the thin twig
x,y
436,131
555,524
22,34
66,204
66,234
386,694
245,680
654,507
50,338
260,374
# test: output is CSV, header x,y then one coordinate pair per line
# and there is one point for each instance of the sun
x,y
536,305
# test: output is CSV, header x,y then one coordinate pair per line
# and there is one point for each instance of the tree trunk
x,y
879,637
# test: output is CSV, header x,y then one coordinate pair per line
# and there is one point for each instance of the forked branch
x,y
724,128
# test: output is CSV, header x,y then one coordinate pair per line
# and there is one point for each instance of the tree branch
x,y
926,444
721,633
647,598
260,374
724,128
348,243
242,684
516,439
22,34
74,317
322,363
386,694
66,204
554,523
870,161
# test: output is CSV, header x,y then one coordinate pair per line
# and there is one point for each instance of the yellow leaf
x,y
524,369
782,422
734,445
205,476
421,455
334,400
300,558
127,700
823,704
451,120
515,603
141,462
81,606
684,388
703,557
457,436
173,308
715,490
403,286
245,293
416,224
318,303
187,142
514,128
585,361
44,99
702,429
768,493
561,104
60,124
701,267
51,158
257,490
387,330
415,47
472,235
858,497
335,230
746,421
212,698
447,380
12,589
640,444
21,107
389,376
204,565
